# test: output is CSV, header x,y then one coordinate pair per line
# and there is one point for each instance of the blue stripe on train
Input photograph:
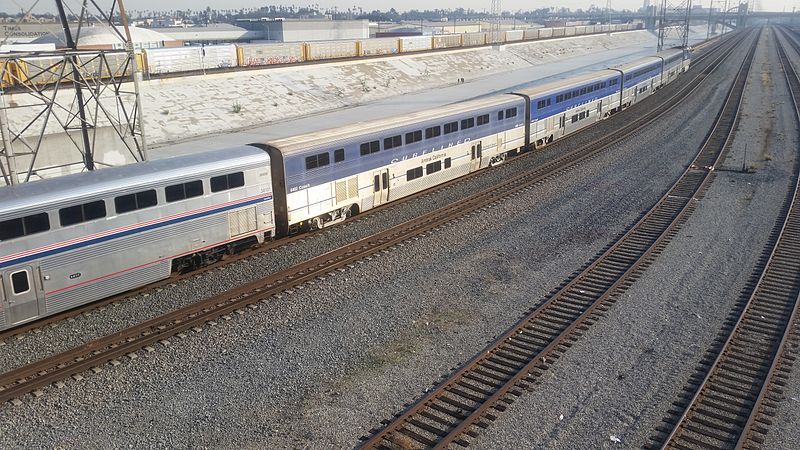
x,y
129,232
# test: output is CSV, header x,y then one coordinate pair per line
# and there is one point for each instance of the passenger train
x,y
79,238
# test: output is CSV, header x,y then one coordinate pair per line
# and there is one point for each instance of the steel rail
x,y
465,399
758,338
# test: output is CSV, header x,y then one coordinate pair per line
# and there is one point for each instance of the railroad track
x,y
728,402
470,398
111,348
719,48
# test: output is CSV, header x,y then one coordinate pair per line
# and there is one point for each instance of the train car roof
x,y
86,185
310,141
567,83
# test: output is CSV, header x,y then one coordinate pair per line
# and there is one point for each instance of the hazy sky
x,y
400,5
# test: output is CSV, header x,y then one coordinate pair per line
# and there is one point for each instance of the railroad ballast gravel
x,y
621,377
319,367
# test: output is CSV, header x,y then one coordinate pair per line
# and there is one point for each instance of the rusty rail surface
x,y
470,398
727,403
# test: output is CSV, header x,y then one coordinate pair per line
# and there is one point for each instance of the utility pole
x,y
710,8
88,154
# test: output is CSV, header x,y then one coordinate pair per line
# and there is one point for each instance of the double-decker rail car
x,y
326,176
79,238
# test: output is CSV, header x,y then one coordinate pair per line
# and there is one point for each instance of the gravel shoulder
x,y
619,380
787,414
319,367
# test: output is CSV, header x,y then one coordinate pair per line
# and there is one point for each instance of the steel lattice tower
x,y
63,110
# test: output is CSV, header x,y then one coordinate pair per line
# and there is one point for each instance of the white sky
x,y
400,5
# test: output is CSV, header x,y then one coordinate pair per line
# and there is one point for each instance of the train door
x,y
476,153
562,123
20,294
380,186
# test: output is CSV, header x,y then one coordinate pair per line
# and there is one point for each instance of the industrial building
x,y
307,30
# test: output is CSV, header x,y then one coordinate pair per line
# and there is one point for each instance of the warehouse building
x,y
218,33
307,30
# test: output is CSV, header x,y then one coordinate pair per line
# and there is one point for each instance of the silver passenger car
x,y
79,238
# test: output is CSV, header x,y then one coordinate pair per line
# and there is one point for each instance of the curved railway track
x,y
17,382
470,398
728,403
714,55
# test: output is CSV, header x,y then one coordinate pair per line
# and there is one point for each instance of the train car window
x,y
318,160
499,115
82,213
612,82
548,102
414,136
559,98
376,184
582,115
574,118
183,191
14,228
370,147
433,132
139,200
591,88
225,182
447,162
568,96
338,155
414,173
583,91
450,127
511,112
433,167
392,142
20,283
540,104
467,123
483,119
385,178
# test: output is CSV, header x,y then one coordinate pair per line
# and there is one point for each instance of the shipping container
x,y
380,46
473,39
558,32
531,34
513,35
331,50
580,30
569,31
269,54
605,28
545,33
447,41
415,43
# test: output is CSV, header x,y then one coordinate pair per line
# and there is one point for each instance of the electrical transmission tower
x,y
673,23
71,109
496,13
